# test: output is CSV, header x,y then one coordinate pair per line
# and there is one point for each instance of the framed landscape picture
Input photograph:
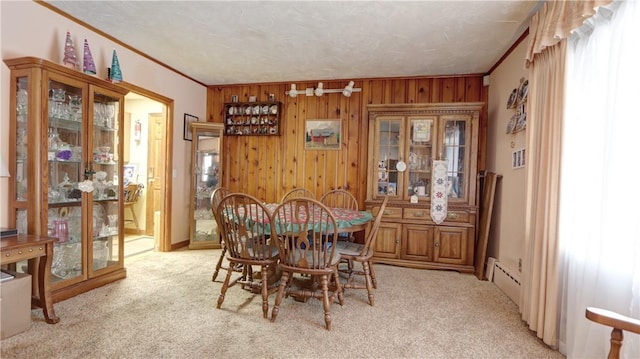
x,y
322,134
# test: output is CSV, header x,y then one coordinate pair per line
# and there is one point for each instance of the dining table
x,y
348,220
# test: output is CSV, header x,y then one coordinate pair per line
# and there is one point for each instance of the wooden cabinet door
x,y
418,242
451,245
388,242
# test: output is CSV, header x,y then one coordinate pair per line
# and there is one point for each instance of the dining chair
x,y
248,238
304,228
341,198
354,252
132,193
216,196
618,322
297,192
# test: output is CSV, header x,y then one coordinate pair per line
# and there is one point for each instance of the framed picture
x,y
322,134
130,172
188,120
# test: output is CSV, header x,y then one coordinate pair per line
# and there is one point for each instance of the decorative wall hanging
x,y
322,134
439,195
517,100
137,130
188,120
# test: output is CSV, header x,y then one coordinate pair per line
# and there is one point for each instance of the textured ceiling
x,y
230,42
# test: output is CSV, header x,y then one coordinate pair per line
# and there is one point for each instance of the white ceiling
x,y
230,42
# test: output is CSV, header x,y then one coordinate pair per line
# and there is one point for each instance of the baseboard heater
x,y
508,281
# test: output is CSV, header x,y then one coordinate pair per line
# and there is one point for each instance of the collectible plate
x,y
401,166
512,99
512,124
523,91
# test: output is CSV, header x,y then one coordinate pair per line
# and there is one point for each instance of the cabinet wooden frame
x,y
408,236
97,124
205,135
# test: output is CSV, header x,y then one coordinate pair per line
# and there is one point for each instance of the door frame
x,y
165,219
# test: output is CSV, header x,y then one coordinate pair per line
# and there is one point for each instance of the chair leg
x,y
225,286
325,301
367,280
339,287
219,265
281,290
135,219
265,290
373,276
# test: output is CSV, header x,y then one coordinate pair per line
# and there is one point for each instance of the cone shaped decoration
x,y
88,66
115,75
70,59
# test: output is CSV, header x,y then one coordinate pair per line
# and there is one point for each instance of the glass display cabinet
x,y
404,140
206,172
66,165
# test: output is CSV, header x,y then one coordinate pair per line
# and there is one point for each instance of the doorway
x,y
146,158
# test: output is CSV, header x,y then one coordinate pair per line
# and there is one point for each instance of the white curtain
x,y
599,226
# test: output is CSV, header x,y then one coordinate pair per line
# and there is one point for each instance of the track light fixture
x,y
320,90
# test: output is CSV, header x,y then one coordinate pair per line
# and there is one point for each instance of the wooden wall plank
x,y
268,166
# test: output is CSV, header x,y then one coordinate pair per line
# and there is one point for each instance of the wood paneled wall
x,y
268,166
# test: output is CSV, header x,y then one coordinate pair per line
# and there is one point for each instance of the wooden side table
x,y
31,247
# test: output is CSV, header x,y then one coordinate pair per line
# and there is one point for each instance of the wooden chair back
x,y
339,198
369,243
132,193
297,192
245,228
216,196
305,241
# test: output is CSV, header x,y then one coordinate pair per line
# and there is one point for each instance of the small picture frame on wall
x,y
322,134
518,158
188,120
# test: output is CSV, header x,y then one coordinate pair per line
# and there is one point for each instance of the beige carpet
x,y
166,309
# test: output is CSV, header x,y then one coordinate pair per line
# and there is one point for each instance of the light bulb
x,y
348,89
319,91
293,92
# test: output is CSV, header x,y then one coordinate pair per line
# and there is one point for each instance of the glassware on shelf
x,y
75,107
58,94
22,102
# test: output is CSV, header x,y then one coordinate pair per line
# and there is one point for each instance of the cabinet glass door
x,y
105,162
22,135
65,143
455,150
389,137
421,145
206,171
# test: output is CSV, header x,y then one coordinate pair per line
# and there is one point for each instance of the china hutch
x,y
404,141
66,163
206,174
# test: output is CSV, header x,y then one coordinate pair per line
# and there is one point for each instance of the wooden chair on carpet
x,y
341,198
248,243
216,196
354,252
618,322
297,192
132,193
307,246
